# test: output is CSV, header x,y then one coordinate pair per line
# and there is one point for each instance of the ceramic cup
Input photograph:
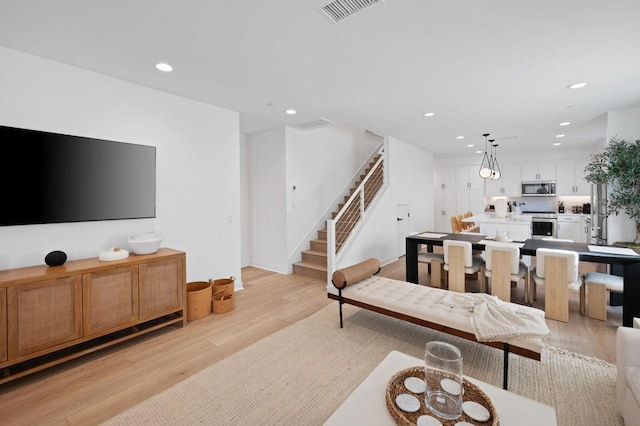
x,y
443,376
502,235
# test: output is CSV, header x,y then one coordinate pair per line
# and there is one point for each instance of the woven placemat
x,y
471,393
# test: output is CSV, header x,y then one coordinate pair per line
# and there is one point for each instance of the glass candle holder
x,y
443,377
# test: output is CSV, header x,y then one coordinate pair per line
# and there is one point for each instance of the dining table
x,y
623,261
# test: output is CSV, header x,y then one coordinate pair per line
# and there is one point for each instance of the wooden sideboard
x,y
49,315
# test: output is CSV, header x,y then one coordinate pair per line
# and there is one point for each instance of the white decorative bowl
x,y
145,243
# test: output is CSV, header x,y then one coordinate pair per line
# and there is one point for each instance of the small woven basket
x,y
222,302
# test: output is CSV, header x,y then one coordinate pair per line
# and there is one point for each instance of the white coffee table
x,y
367,406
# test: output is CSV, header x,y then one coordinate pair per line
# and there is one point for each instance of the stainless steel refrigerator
x,y
598,220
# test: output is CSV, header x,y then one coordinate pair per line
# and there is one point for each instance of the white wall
x,y
410,173
622,124
245,202
322,164
198,187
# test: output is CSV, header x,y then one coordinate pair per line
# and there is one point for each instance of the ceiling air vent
x,y
338,10
313,124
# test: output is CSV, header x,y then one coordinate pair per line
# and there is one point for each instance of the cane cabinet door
x,y
3,324
161,287
110,299
43,315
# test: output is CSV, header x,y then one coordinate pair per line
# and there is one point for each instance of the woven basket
x,y
222,302
198,300
225,284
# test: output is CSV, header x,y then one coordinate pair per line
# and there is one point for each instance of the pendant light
x,y
495,168
485,167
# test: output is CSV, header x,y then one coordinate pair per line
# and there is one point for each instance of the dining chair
x,y
459,262
435,262
596,286
558,271
503,267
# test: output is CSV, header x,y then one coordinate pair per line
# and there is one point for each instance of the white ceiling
x,y
483,66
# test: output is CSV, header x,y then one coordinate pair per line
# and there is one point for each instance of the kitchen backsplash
x,y
546,204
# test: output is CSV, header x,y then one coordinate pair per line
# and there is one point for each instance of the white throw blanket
x,y
494,320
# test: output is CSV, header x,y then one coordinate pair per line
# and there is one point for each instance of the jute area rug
x,y
301,374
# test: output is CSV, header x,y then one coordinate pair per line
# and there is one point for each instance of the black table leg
x,y
631,295
411,260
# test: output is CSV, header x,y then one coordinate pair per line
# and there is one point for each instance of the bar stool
x,y
458,262
456,225
596,285
502,267
558,271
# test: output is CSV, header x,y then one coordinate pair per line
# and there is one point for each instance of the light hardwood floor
x,y
95,387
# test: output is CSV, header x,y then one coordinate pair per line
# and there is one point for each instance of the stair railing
x,y
352,214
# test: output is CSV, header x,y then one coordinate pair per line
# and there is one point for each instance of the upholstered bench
x,y
428,307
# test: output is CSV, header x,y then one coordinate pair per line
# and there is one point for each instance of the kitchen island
x,y
517,225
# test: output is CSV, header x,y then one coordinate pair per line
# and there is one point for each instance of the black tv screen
x,y
53,178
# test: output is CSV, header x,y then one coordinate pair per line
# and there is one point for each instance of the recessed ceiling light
x,y
291,111
470,145
429,114
557,144
577,85
559,136
459,137
164,67
565,123
478,152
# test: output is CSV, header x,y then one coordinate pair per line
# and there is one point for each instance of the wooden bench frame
x,y
506,347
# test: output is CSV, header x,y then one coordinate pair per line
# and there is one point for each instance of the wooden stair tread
x,y
311,266
315,252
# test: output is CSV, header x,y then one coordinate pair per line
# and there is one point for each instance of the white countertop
x,y
512,219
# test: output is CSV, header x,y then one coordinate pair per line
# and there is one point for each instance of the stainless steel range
x,y
543,224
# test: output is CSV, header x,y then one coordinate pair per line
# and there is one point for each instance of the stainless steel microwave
x,y
539,189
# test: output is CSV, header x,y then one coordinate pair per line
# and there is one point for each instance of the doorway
x,y
403,219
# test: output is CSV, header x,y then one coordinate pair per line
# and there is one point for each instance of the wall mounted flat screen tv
x,y
54,178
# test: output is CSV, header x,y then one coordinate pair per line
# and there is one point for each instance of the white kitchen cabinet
x,y
518,226
444,193
468,177
570,178
538,171
586,229
518,231
469,190
571,227
508,185
457,190
469,200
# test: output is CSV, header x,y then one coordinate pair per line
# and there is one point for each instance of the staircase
x,y
314,260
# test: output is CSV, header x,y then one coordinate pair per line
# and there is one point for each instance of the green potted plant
x,y
619,167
